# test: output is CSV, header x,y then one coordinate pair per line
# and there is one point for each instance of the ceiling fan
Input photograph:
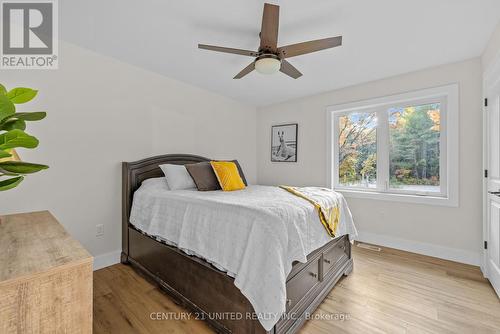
x,y
270,58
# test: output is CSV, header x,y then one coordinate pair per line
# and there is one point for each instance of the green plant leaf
x,y
30,116
4,154
3,91
17,138
7,108
21,95
10,183
13,124
25,116
21,167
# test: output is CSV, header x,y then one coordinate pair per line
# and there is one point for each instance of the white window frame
x,y
448,97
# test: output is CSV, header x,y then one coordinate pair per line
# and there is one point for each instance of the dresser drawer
x,y
335,255
298,287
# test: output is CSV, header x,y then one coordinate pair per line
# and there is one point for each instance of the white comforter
x,y
254,234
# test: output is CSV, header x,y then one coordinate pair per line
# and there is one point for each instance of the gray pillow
x,y
203,176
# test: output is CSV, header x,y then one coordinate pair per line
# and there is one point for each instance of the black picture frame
x,y
284,142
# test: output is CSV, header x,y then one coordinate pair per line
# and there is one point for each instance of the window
x,y
397,148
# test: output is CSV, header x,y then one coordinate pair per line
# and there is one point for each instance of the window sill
x,y
406,198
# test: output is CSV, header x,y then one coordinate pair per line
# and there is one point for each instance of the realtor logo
x,y
29,34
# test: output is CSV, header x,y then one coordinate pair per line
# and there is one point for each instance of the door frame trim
x,y
491,77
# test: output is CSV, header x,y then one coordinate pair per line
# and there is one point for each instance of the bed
x,y
218,289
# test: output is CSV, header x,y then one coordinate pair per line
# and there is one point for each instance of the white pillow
x,y
178,177
155,182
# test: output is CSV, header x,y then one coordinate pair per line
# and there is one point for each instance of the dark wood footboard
x,y
209,292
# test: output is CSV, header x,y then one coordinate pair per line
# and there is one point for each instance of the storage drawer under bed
x,y
308,280
335,256
309,275
298,287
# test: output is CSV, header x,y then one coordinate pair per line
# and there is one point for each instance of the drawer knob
x,y
314,275
328,261
342,247
289,302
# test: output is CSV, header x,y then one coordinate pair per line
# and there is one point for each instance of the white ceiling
x,y
381,38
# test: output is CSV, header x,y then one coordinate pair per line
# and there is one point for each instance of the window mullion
x,y
334,122
382,150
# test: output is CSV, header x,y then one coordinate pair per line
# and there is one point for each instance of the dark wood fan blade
x,y
308,47
245,71
269,30
228,50
289,69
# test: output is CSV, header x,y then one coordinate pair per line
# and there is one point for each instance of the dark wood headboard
x,y
133,173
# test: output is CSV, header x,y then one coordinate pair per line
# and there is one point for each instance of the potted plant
x,y
13,135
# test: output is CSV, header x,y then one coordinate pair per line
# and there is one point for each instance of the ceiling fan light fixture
x,y
268,64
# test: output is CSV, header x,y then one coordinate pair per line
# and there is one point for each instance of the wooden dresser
x,y
45,277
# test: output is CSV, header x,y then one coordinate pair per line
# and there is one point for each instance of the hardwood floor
x,y
388,292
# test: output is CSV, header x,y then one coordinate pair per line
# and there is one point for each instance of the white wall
x,y
492,50
453,233
101,112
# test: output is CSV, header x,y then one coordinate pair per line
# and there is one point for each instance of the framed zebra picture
x,y
284,142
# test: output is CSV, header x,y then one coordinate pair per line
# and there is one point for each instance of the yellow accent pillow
x,y
228,176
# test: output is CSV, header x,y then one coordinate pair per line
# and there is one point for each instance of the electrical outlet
x,y
99,230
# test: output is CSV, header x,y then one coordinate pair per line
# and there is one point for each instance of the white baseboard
x,y
483,266
107,259
446,253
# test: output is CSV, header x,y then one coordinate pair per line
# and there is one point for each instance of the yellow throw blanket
x,y
326,201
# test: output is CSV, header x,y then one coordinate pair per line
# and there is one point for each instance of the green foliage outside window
x,y
414,138
358,149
